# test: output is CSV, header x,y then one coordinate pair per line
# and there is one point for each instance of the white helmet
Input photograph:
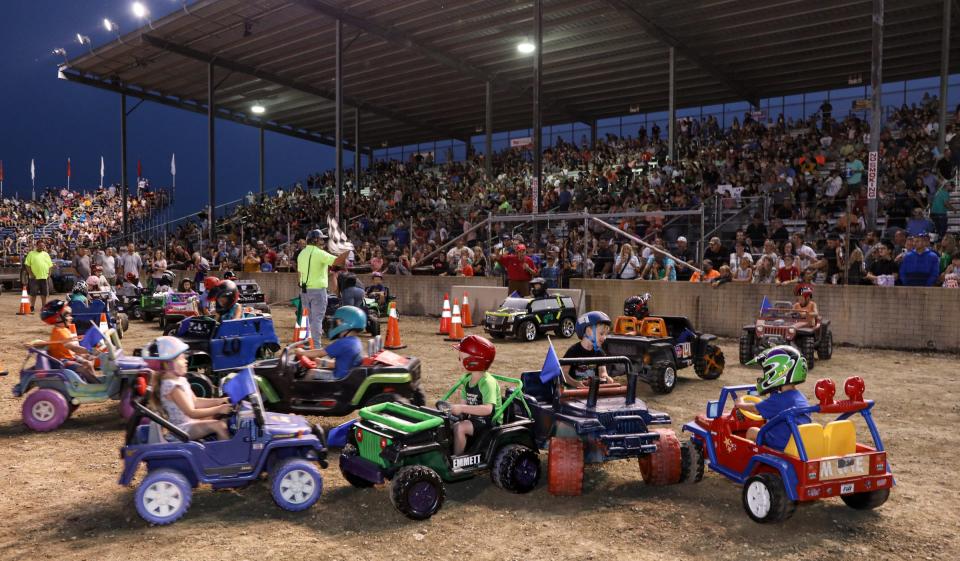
x,y
165,348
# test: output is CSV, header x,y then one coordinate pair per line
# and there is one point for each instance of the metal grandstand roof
x,y
417,68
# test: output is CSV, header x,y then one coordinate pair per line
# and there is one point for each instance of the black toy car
x,y
663,345
597,424
288,387
527,318
370,307
251,296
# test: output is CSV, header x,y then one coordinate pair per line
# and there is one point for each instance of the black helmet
x,y
167,278
227,289
637,306
538,287
229,275
80,287
52,312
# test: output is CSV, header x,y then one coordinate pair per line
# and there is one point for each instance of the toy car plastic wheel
x,y
868,500
664,377
565,467
710,366
163,497
766,500
567,328
417,492
825,348
45,409
527,330
663,467
746,347
137,313
807,347
126,402
123,321
351,451
691,462
296,484
516,468
373,327
201,385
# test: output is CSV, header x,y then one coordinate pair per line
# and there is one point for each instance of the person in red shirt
x,y
520,269
789,273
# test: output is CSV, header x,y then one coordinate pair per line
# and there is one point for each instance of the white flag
x,y
33,172
101,171
173,164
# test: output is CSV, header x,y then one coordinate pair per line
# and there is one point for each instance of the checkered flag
x,y
337,240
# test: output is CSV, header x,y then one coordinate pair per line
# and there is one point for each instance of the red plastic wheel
x,y
663,466
565,467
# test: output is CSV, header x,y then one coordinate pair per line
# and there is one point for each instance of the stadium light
x,y
109,25
139,10
526,47
258,109
61,52
83,39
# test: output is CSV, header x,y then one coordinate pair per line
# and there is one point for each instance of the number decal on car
x,y
682,350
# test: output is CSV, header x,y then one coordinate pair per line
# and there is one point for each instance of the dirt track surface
x,y
60,498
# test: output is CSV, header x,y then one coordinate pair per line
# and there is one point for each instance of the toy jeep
x,y
527,318
53,391
660,346
780,324
600,423
819,462
284,447
151,305
290,385
178,306
251,296
411,447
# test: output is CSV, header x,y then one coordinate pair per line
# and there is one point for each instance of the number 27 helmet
x,y
781,365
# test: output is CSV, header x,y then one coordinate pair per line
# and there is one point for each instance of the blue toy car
x,y
85,315
285,447
218,348
818,462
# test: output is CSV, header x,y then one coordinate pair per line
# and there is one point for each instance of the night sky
x,y
48,119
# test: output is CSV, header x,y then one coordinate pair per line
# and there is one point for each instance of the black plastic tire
x,y
417,492
808,347
868,500
201,385
527,331
516,468
567,328
373,327
691,462
746,347
703,366
664,377
765,499
351,451
825,348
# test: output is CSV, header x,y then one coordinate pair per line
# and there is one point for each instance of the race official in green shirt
x,y
38,264
312,265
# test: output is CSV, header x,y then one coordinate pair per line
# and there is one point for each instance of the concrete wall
x,y
868,316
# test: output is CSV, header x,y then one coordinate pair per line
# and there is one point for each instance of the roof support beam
x,y
195,107
650,27
188,52
397,37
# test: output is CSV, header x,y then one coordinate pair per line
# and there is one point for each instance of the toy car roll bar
x,y
595,380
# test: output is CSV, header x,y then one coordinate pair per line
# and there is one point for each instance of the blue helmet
x,y
351,318
592,320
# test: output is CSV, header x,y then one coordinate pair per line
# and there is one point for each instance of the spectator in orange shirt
x,y
63,344
709,273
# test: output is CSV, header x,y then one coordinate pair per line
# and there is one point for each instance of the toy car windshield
x,y
783,313
515,304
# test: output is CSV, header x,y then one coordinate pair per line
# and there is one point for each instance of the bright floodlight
x,y
83,39
258,109
526,47
109,25
139,10
61,52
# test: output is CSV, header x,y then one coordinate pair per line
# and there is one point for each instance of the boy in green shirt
x,y
479,396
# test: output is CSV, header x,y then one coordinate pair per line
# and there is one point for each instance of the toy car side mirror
x,y
825,390
854,388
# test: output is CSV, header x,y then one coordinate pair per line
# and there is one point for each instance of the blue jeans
x,y
315,300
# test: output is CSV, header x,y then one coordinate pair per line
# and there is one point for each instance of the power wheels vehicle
x,y
661,347
130,305
370,307
286,448
818,463
780,324
53,391
218,348
87,315
527,318
290,385
177,307
251,296
600,423
412,448
151,305
113,308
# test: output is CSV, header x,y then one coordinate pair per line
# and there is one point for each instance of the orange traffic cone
x,y
305,329
104,326
24,303
393,329
456,324
445,316
466,316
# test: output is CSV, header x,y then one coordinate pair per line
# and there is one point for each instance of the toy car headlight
x,y
760,329
792,331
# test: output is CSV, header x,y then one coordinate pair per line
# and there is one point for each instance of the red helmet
x,y
805,290
131,276
480,353
210,282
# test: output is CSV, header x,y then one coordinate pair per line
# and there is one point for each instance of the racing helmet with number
x,y
479,353
782,365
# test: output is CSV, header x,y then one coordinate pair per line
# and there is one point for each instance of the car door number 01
x,y
682,350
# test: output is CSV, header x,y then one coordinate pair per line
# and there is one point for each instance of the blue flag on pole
x,y
551,365
765,305
91,338
515,294
240,386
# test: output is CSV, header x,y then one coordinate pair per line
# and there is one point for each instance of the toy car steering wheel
x,y
444,407
749,414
